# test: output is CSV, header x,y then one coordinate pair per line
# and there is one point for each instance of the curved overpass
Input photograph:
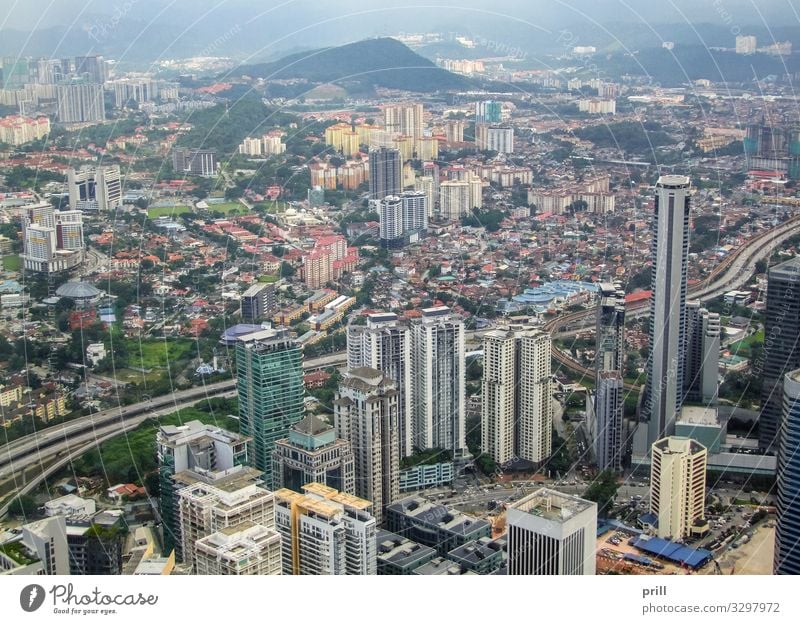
x,y
733,272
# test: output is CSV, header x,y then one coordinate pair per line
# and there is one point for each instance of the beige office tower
x,y
677,485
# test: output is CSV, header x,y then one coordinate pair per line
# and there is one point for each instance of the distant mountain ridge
x,y
360,66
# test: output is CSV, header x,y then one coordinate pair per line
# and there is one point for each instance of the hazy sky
x,y
137,30
25,14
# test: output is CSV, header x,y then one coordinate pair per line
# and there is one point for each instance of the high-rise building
x,y
488,111
498,139
787,534
781,348
80,102
269,370
677,485
454,130
15,72
313,454
607,420
390,220
258,302
96,542
404,119
48,539
365,413
52,241
385,173
517,413
439,381
192,451
245,549
91,68
701,362
207,508
415,211
425,184
325,532
550,533
194,161
454,199
669,250
384,343
745,44
48,71
610,328
93,189
475,192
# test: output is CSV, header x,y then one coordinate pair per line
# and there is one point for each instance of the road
x,y
731,274
76,437
88,431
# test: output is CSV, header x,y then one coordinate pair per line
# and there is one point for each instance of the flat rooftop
x,y
552,505
697,415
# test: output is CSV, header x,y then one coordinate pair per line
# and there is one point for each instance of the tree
x,y
602,491
23,506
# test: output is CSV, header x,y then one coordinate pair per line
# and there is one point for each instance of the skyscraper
x,y
404,119
606,424
384,343
313,454
517,413
670,249
52,241
701,362
454,198
781,346
488,111
787,552
610,328
93,189
80,102
365,413
258,302
195,161
195,452
92,68
415,211
677,485
390,221
439,381
550,533
607,421
325,532
385,173
269,369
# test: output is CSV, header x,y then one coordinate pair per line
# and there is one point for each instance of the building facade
x,y
787,534
269,369
677,485
550,533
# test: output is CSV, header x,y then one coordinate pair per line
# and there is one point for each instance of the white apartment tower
x,y
670,249
439,381
550,533
384,344
454,198
325,532
365,414
517,413
677,485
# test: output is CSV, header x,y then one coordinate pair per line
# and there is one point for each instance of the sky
x,y
171,28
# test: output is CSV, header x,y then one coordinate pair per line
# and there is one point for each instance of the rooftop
x,y
552,505
696,415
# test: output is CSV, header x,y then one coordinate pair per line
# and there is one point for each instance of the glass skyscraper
x,y
269,371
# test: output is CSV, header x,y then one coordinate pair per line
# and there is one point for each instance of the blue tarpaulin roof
x,y
677,553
